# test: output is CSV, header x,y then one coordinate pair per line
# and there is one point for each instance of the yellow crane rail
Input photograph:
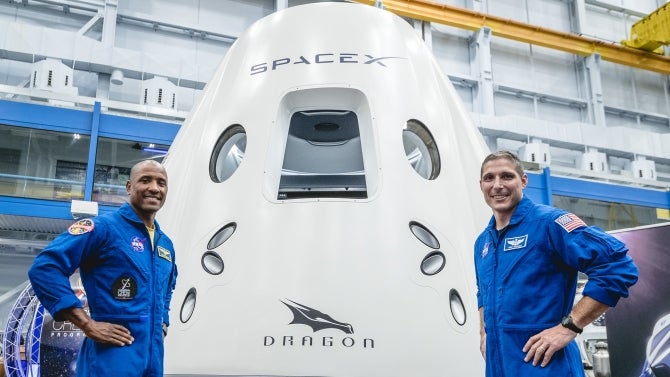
x,y
506,28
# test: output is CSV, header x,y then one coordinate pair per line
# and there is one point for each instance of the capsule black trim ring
x,y
212,263
188,306
433,263
424,235
457,307
221,236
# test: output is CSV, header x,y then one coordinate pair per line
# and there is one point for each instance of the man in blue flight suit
x,y
527,261
127,267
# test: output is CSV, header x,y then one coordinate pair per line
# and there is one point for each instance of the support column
x,y
109,23
427,34
108,36
281,4
476,5
578,13
92,152
482,67
596,105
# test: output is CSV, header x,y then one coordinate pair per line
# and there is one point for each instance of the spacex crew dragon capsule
x,y
324,204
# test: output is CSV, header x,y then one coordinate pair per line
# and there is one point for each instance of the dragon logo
x,y
304,315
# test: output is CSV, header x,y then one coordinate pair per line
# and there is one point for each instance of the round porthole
x,y
212,263
221,236
188,306
228,153
424,235
421,150
457,307
433,263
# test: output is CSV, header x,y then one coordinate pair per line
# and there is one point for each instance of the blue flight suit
x,y
527,277
127,282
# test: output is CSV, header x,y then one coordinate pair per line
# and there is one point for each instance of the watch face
x,y
567,322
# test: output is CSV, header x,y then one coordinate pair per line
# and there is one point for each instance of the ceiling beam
x,y
506,28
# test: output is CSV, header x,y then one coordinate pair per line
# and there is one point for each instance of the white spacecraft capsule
x,y
323,203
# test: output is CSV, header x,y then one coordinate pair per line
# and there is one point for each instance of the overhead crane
x,y
506,28
651,32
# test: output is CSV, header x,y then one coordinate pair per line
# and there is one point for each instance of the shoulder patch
x,y
81,227
569,222
164,253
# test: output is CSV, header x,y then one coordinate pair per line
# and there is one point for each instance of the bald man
x,y
127,267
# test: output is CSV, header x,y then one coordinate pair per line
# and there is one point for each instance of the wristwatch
x,y
569,324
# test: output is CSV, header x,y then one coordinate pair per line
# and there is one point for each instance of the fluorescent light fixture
x,y
154,150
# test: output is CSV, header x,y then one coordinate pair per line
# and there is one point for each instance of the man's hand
x,y
107,333
542,346
102,332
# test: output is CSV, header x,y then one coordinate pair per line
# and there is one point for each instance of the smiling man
x,y
127,267
527,260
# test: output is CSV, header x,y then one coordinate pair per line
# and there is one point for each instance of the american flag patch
x,y
570,222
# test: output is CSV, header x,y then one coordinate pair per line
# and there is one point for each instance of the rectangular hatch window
x,y
323,157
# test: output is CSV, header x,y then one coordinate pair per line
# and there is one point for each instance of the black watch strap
x,y
569,324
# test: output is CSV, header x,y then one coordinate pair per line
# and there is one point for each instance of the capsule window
x,y
433,263
188,306
228,153
221,236
424,235
457,307
421,150
212,263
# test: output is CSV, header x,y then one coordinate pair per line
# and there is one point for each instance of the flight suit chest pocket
x,y
138,251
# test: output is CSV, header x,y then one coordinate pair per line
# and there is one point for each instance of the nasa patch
x,y
80,227
124,288
514,243
137,244
164,253
485,251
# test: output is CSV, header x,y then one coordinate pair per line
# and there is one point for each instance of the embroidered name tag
x,y
515,242
164,253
